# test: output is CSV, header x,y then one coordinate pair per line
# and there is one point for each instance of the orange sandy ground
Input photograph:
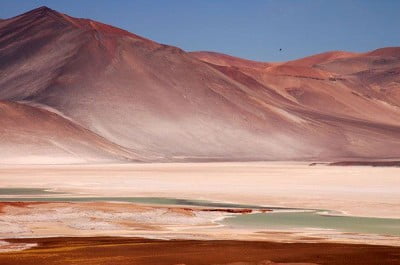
x,y
114,250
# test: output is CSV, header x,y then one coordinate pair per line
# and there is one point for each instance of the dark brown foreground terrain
x,y
114,250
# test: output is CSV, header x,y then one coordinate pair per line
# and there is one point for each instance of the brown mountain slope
x,y
321,58
370,95
34,135
165,104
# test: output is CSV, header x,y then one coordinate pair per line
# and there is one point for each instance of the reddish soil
x,y
112,250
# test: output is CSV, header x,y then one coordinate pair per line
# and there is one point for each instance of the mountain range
x,y
75,90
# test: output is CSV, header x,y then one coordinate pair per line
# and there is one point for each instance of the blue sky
x,y
253,29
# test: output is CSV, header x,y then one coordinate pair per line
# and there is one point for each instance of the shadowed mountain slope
x,y
154,102
36,135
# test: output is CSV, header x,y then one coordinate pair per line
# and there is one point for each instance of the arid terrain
x,y
116,149
108,250
76,91
95,200
360,191
57,218
107,231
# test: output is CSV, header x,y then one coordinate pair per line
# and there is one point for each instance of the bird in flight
x,y
280,49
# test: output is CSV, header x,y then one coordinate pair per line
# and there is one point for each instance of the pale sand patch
x,y
361,191
8,246
74,219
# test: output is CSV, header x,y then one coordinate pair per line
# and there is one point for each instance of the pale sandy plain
x,y
360,191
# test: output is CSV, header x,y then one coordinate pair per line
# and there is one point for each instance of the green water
x,y
296,220
141,200
25,191
271,220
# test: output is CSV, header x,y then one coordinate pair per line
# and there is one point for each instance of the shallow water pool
x,y
314,220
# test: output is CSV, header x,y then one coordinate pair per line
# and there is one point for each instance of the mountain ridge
x,y
154,102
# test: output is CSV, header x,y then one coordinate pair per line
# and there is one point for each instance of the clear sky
x,y
253,29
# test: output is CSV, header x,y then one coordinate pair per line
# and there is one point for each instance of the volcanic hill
x,y
78,91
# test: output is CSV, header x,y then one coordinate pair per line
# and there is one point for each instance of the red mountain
x,y
79,90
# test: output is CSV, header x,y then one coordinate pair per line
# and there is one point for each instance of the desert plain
x,y
99,223
358,190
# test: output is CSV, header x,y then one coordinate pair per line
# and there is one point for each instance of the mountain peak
x,y
42,10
